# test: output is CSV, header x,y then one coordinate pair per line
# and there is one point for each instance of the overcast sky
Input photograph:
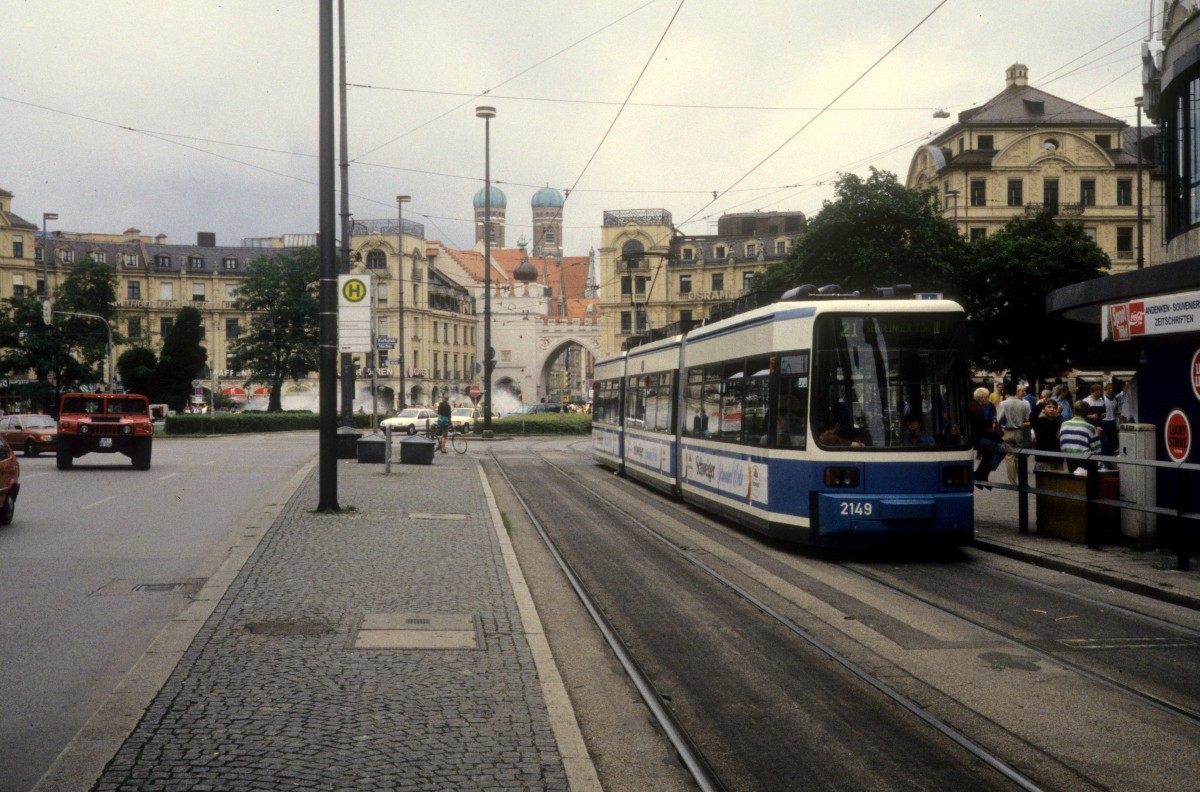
x,y
179,116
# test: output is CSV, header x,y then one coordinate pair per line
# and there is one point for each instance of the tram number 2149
x,y
856,509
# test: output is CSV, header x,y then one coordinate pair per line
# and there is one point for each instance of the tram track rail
x,y
683,743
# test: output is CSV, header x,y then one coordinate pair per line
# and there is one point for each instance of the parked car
x,y
540,407
464,418
411,420
10,483
33,434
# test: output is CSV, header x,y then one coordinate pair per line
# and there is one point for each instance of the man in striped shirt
x,y
1077,436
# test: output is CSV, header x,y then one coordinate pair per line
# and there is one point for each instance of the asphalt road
x,y
98,559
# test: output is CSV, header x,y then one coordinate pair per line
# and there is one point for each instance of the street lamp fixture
x,y
400,201
1141,254
487,114
46,309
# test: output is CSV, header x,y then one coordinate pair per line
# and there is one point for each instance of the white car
x,y
464,418
411,420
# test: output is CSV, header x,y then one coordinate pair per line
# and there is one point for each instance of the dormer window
x,y
987,143
162,261
719,252
229,263
195,262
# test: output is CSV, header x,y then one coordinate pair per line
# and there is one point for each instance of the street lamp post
x,y
107,329
46,267
1141,256
487,114
400,201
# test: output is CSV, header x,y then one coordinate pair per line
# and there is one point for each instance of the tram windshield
x,y
890,381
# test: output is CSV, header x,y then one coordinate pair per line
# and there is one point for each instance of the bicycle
x,y
456,439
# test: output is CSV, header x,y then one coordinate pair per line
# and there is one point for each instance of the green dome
x,y
498,199
547,198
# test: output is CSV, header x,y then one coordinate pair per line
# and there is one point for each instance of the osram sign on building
x,y
1176,313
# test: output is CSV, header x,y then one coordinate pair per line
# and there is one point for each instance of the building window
x,y
986,143
134,326
195,262
639,285
229,263
1050,195
978,234
1016,192
978,192
131,260
719,252
1087,192
164,325
626,322
197,292
230,291
166,291
781,246
689,254
1124,192
631,254
1104,141
640,323
100,257
1090,233
232,330
162,261
134,290
37,254
18,285
376,259
18,248
1124,242
548,237
747,280
718,281
435,338
685,284
685,317
751,249
68,256
626,285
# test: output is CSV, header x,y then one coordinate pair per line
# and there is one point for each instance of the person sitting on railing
x,y
1077,436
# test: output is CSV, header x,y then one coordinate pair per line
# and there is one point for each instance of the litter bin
x,y
417,450
372,449
1067,519
347,437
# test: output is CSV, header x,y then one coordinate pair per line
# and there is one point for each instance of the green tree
x,y
876,232
1004,288
72,351
283,339
182,358
138,367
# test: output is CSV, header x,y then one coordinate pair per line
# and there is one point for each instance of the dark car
x,y
10,483
32,434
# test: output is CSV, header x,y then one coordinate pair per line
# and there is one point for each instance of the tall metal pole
x,y
327,446
400,201
1141,255
487,114
46,309
347,358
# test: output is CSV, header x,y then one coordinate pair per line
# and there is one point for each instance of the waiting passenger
x,y
832,436
916,434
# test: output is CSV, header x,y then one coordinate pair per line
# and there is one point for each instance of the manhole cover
x,y
418,631
285,628
124,587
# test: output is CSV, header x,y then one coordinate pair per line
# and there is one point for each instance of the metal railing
x,y
1092,521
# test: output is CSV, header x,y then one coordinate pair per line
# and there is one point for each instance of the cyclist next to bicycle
x,y
444,412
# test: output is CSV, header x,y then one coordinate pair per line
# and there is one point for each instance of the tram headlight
x,y
956,476
841,477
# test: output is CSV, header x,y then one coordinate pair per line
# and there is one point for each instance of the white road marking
x,y
97,503
169,475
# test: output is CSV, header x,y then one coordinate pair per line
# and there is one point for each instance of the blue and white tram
x,y
834,423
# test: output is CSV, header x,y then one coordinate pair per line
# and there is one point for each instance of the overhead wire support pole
x,y
109,350
327,459
347,358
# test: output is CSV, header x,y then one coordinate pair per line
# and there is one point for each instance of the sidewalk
x,y
1146,572
393,646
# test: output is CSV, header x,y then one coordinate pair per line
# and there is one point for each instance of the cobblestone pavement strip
x,y
272,694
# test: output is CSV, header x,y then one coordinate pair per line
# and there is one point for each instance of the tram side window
x,y
635,405
791,420
711,401
754,403
657,401
732,391
694,419
607,405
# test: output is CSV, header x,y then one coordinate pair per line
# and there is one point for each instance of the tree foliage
x,y
876,232
283,340
1004,288
70,352
182,358
138,367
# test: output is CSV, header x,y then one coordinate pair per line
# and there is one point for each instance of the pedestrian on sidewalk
x,y
984,437
1046,423
1078,436
1013,417
444,411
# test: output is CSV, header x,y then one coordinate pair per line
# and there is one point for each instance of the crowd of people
x,y
1011,416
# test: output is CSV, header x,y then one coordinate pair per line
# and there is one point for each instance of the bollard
x,y
1022,494
1091,529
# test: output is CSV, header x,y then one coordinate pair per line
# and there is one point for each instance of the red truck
x,y
105,423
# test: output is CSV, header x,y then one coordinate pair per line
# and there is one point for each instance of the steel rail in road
x,y
1171,708
976,750
695,762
